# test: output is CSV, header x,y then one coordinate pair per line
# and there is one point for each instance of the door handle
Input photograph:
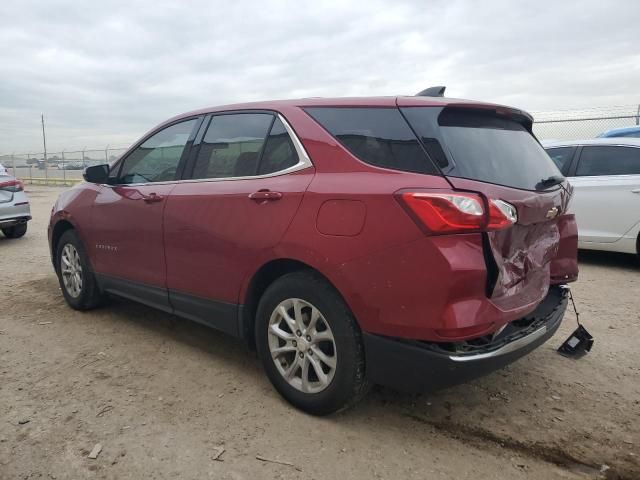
x,y
261,195
637,190
153,198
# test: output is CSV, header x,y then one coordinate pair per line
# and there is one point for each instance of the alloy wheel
x,y
71,270
302,345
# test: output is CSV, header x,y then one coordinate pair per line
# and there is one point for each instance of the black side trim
x,y
219,315
150,295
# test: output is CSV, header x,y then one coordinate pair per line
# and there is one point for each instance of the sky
x,y
105,72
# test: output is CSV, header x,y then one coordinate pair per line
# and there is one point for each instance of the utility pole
x,y
44,142
44,138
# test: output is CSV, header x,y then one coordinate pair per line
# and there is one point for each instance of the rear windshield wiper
x,y
549,182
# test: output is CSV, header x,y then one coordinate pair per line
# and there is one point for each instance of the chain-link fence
x,y
57,168
583,124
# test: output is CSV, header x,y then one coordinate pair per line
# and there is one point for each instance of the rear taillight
x,y
457,212
12,186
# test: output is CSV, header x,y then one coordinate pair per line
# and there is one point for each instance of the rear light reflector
x,y
457,212
12,186
501,215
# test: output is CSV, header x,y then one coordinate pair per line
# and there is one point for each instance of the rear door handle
x,y
637,190
261,195
153,198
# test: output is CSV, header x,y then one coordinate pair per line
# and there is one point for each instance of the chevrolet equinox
x,y
413,242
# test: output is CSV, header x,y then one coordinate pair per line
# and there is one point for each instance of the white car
x,y
605,173
15,210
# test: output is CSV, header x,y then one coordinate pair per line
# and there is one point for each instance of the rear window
x,y
378,136
481,145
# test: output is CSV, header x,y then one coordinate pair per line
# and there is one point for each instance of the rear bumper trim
x,y
417,366
508,348
7,222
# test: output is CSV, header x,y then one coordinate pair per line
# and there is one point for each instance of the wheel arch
x,y
264,276
60,227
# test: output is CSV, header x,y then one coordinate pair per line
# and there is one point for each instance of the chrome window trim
x,y
549,147
303,162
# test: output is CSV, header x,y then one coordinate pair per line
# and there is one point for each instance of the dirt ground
x,y
162,395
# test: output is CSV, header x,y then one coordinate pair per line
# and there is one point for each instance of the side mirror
x,y
96,173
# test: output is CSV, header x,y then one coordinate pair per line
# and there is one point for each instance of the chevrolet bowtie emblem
x,y
552,213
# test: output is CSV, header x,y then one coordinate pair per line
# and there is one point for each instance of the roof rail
x,y
432,92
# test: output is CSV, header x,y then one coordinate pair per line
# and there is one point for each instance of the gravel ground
x,y
162,396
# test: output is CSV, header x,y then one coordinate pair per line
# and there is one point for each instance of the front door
x,y
127,217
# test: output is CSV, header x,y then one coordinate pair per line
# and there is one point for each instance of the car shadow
x,y
609,259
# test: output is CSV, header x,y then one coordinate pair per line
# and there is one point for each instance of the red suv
x,y
413,242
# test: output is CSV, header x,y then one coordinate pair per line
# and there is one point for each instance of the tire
x,y
336,339
16,231
84,295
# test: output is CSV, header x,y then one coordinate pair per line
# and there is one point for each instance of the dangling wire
x,y
574,306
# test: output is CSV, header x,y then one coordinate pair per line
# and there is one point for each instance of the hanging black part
x,y
580,341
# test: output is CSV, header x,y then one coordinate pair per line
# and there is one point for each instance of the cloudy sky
x,y
104,72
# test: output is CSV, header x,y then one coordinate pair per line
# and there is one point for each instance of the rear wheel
x,y
16,231
310,345
77,281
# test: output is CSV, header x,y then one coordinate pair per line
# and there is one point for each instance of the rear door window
x,y
232,145
482,145
378,136
561,156
608,160
279,152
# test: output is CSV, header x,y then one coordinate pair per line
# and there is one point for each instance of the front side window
x,y
232,145
608,160
157,159
378,136
561,157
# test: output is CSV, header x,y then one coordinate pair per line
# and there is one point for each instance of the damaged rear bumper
x,y
415,366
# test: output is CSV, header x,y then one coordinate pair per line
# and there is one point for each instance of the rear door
x,y
607,192
492,151
245,183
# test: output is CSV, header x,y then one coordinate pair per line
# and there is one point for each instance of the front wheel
x,y
77,281
16,231
310,344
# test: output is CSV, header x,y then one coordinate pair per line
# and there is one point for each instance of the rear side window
x,y
378,136
232,145
279,152
482,145
609,161
561,156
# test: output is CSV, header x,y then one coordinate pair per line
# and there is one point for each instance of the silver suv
x,y
15,211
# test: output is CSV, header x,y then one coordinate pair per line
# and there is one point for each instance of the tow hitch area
x,y
580,341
